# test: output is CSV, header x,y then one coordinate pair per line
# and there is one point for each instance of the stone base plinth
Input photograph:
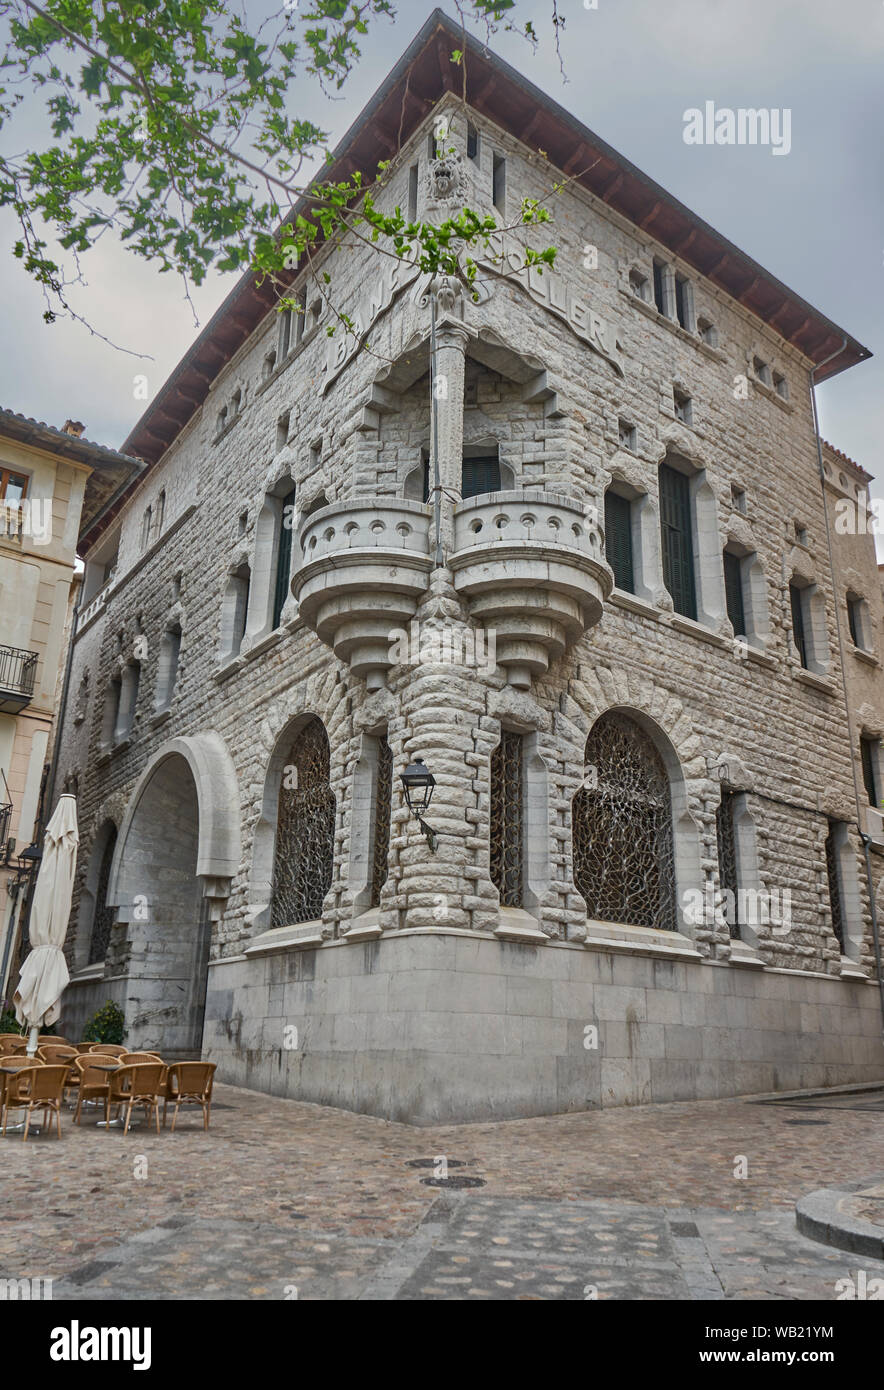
x,y
430,1027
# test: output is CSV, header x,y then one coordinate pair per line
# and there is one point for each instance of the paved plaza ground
x,y
284,1200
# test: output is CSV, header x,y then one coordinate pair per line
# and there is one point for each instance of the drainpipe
x,y
865,839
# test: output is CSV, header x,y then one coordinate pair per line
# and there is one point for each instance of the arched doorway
x,y
176,852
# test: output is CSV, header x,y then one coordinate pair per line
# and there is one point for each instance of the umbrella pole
x,y
32,1040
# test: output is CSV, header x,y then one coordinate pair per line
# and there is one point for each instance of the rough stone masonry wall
x,y
704,698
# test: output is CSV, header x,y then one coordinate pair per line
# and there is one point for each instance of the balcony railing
x,y
18,670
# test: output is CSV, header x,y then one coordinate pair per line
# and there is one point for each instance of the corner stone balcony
x,y
533,568
365,566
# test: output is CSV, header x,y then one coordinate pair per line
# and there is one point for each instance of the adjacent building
x,y
610,631
49,479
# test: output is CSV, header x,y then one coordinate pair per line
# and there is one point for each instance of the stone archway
x,y
177,851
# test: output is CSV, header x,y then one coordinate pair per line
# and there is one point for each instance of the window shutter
x,y
678,550
618,540
479,476
283,557
865,748
733,593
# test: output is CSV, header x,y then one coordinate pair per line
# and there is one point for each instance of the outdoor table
x,y
113,1124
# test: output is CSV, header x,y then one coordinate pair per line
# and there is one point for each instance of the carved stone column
x,y
452,337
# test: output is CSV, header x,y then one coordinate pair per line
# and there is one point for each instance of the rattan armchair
x,y
138,1083
94,1084
189,1083
110,1049
36,1087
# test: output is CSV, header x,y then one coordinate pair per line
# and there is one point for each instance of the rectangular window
x,y
677,539
300,313
870,782
285,334
506,819
626,434
833,874
854,620
733,593
283,556
412,193
498,184
682,406
472,142
796,601
658,287
13,486
727,859
618,540
282,430
681,300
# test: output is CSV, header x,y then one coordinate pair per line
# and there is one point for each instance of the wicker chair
x,y
9,1062
189,1083
128,1057
111,1049
11,1045
62,1056
138,1083
94,1084
36,1087
51,1040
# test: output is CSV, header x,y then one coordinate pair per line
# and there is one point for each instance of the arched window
x,y
305,830
622,828
506,819
103,917
161,512
146,521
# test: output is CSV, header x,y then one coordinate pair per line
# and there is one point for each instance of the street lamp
x,y
418,783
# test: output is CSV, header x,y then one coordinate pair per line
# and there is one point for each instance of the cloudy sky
x,y
814,218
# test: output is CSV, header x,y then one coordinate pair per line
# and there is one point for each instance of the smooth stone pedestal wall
x,y
437,1027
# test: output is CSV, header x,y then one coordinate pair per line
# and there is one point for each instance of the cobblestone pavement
x,y
286,1200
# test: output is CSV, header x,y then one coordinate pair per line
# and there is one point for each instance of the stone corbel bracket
x,y
540,389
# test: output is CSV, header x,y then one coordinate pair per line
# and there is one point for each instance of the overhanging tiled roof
x,y
417,82
111,470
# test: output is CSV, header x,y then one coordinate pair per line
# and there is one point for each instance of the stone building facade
x,y
631,897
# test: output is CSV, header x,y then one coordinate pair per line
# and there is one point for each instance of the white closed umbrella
x,y
45,972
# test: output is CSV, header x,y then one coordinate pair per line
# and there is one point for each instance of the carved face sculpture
x,y
445,178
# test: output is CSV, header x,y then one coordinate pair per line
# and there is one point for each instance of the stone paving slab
x,y
478,1247
642,1203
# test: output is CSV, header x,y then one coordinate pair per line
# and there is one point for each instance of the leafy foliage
x,y
169,123
107,1025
